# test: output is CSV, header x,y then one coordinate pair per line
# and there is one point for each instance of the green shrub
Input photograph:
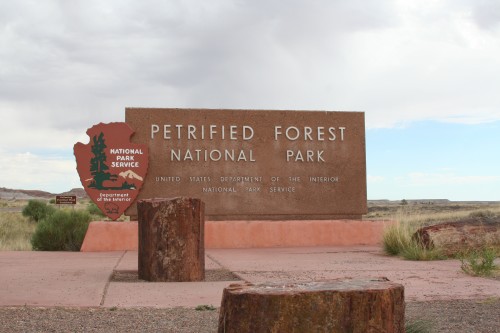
x,y
396,238
94,210
418,251
62,231
52,201
479,262
37,210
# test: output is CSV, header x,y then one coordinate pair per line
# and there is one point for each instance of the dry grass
x,y
425,214
397,237
20,203
13,203
15,232
420,219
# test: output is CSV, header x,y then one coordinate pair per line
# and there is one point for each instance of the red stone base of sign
x,y
122,236
111,236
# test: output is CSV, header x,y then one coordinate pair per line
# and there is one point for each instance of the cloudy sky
x,y
426,72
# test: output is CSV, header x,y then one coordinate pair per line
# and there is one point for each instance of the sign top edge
x,y
128,109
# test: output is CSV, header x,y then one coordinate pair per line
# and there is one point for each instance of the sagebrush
x,y
62,231
37,210
479,262
94,210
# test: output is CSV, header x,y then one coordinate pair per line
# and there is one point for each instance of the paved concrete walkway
x,y
84,279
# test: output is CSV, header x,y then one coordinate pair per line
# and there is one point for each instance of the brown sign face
x,y
247,164
65,199
111,168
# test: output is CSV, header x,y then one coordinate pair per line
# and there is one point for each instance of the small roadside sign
x,y
65,199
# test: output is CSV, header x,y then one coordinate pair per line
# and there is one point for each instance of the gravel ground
x,y
106,320
443,316
467,316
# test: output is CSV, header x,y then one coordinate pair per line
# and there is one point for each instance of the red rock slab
x,y
453,237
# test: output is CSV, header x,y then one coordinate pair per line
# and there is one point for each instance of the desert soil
x,y
479,316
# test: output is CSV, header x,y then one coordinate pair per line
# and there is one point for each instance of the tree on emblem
x,y
98,167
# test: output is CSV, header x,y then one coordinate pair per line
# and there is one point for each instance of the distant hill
x,y
7,193
409,201
386,202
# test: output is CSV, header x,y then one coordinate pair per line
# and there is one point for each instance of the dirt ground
x,y
479,316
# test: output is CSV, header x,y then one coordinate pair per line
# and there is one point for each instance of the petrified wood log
x,y
365,305
453,237
171,239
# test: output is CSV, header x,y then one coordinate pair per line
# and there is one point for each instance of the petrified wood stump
x,y
368,305
171,239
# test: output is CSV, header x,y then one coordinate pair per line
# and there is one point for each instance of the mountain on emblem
x,y
111,168
130,174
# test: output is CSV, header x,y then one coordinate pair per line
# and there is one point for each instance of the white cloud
x,y
29,171
73,64
67,65
17,137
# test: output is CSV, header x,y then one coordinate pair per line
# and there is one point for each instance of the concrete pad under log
x,y
171,239
361,305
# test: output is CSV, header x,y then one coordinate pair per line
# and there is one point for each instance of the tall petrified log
x,y
368,305
171,239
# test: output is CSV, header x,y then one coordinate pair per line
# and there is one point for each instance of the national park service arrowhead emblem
x,y
111,168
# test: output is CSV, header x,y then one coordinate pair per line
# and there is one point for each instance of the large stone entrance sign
x,y
255,165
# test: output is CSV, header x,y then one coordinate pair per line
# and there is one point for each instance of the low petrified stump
x,y
453,237
171,239
368,305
